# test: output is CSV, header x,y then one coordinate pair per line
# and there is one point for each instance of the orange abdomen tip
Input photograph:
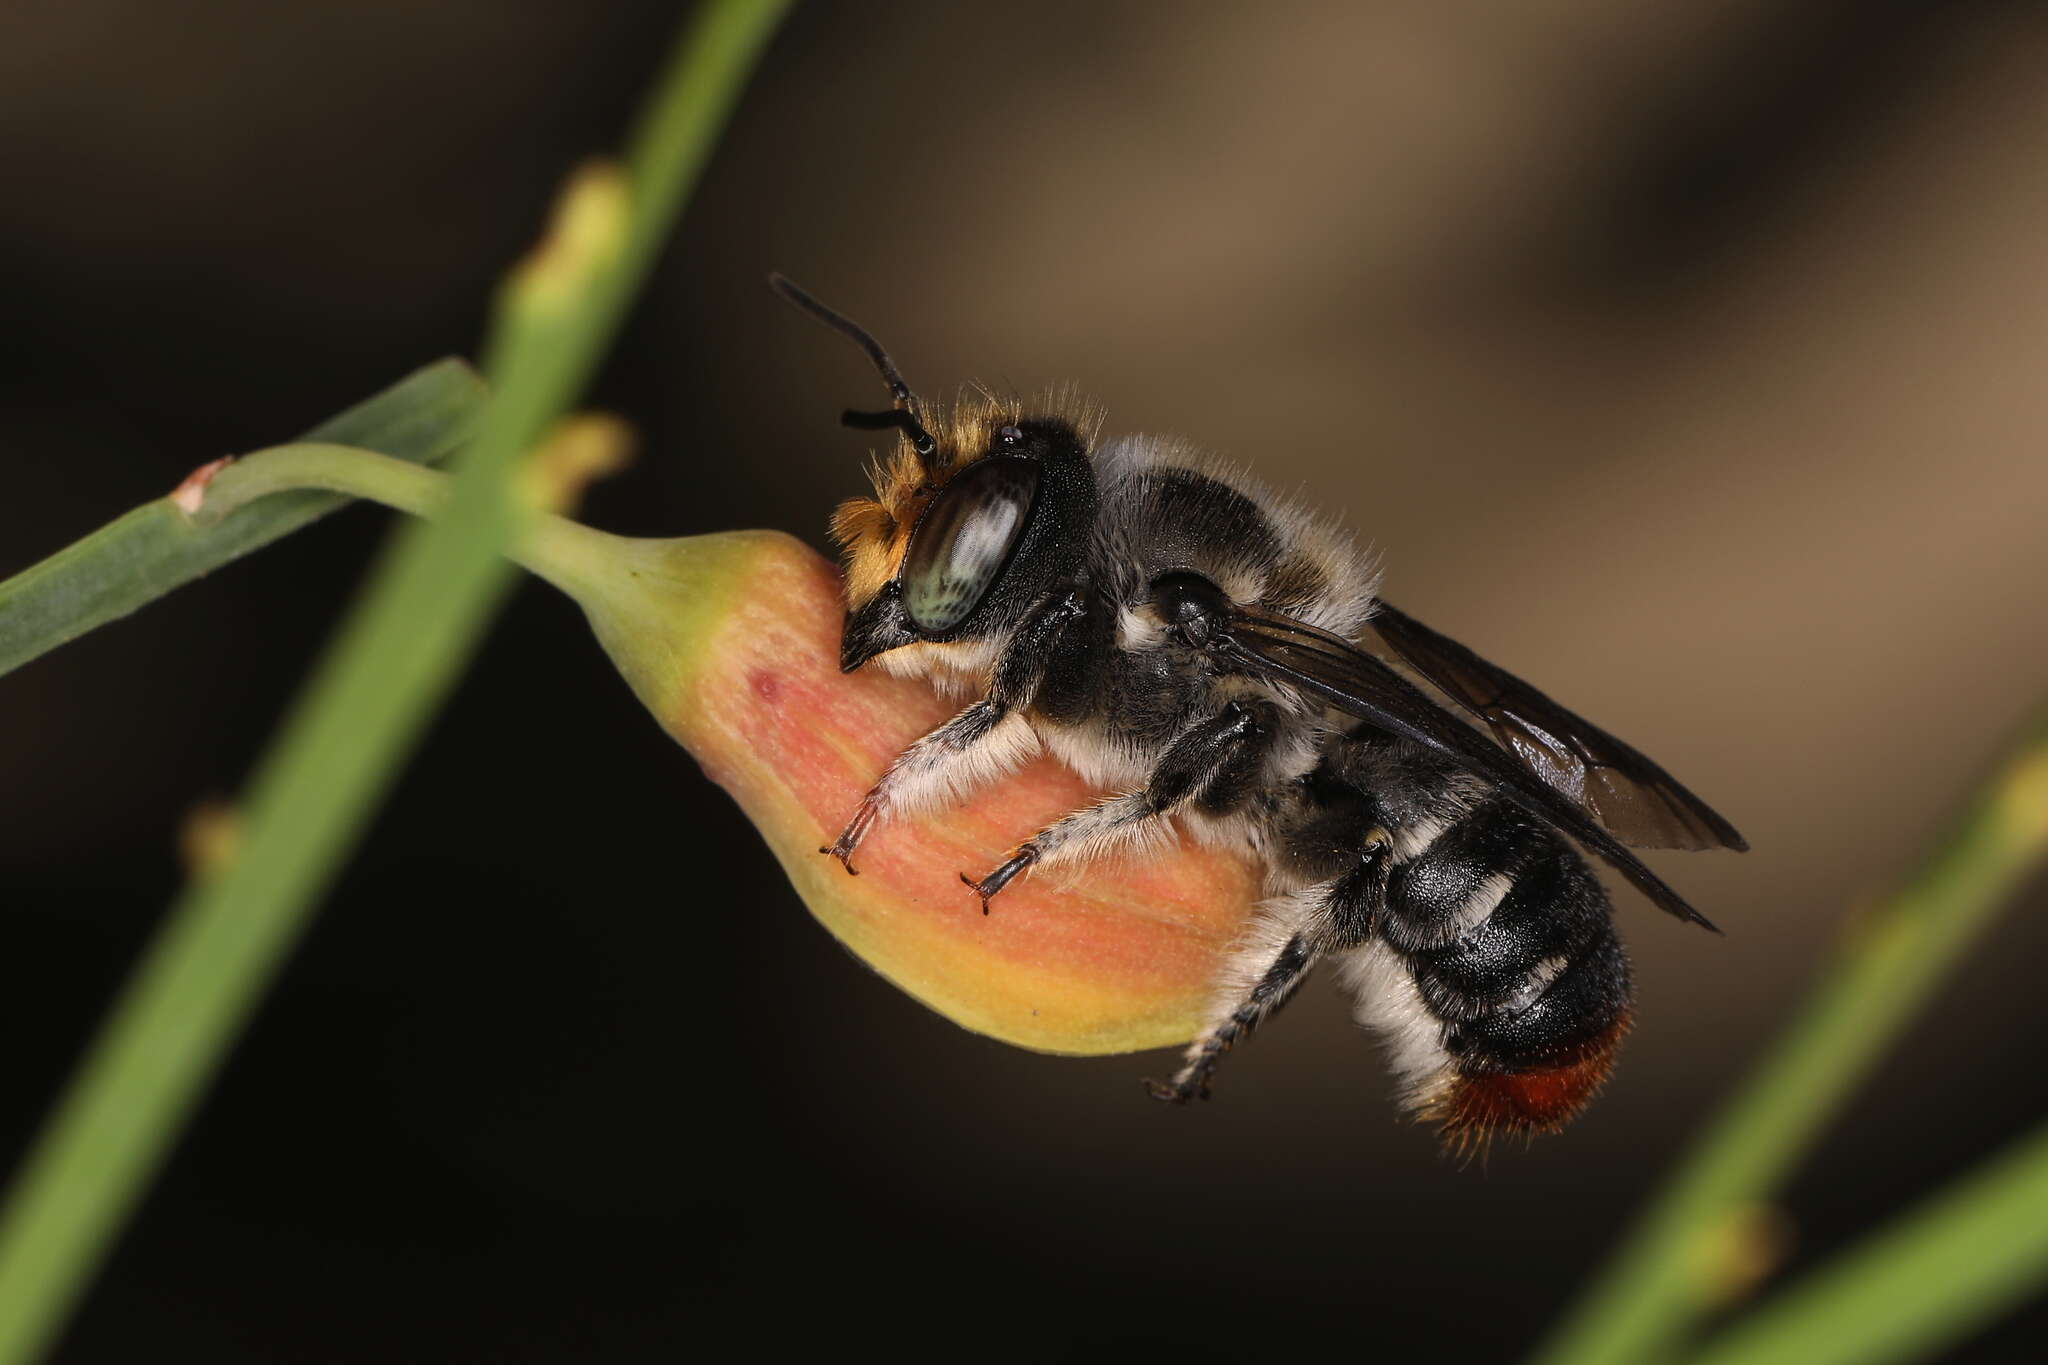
x,y
1473,1107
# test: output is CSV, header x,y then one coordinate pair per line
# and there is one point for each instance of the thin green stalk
x,y
1948,1267
564,552
330,466
393,659
156,548
1665,1274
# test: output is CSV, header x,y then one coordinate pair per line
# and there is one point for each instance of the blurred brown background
x,y
1685,359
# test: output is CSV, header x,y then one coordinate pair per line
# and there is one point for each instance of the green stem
x,y
322,464
572,556
1664,1276
1947,1267
156,549
390,663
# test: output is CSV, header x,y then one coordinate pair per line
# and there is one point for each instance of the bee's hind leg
x,y
1287,936
1274,971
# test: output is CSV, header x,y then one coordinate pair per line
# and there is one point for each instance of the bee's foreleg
x,y
1286,937
1211,766
989,738
983,742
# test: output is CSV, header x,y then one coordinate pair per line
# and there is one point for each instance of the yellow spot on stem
x,y
2022,800
1740,1253
208,840
584,234
581,447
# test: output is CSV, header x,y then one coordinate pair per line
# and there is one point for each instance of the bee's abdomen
x,y
1509,939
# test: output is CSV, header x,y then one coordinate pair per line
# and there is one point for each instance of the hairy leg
x,y
1210,766
1286,938
983,742
992,737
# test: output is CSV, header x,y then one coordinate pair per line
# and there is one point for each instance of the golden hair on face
x,y
874,533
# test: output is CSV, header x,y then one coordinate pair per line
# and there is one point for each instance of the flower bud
x,y
732,641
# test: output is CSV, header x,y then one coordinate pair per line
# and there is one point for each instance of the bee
x,y
1221,662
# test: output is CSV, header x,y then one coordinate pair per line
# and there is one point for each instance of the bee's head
x,y
977,512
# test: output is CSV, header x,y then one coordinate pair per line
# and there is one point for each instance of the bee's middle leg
x,y
1212,766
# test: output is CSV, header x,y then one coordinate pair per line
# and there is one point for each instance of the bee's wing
x,y
1638,802
1280,649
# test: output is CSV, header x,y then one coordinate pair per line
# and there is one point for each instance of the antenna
x,y
903,415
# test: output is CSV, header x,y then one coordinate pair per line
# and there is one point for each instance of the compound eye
x,y
964,540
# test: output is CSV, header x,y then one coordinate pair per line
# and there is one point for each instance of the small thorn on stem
x,y
189,495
